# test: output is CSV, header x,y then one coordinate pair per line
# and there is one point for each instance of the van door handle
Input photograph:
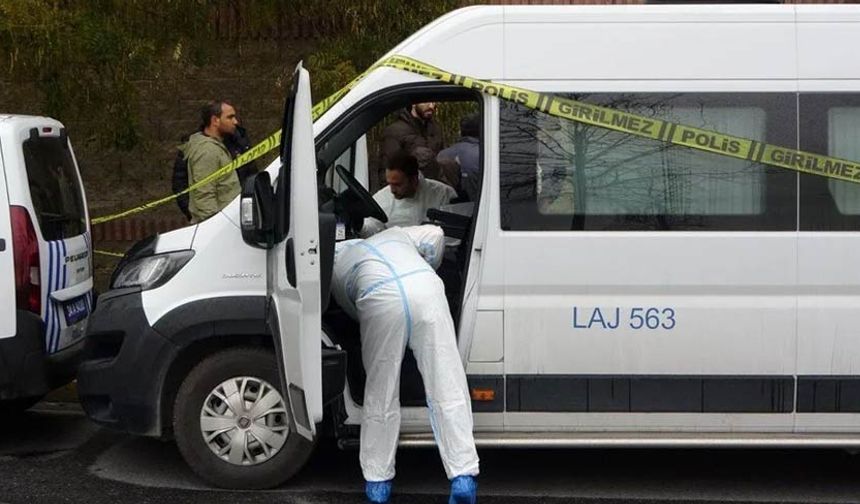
x,y
2,245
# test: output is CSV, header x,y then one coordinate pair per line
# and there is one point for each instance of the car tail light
x,y
28,292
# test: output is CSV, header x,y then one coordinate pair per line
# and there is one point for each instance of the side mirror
x,y
256,211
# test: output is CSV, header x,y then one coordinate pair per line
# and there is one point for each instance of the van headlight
x,y
151,271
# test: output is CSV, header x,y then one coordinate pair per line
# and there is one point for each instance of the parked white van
x,y
608,290
46,284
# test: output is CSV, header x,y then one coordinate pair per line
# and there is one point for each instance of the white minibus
x,y
608,289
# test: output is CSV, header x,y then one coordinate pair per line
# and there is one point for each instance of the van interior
x,y
351,149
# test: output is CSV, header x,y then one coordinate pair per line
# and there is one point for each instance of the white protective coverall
x,y
389,284
409,211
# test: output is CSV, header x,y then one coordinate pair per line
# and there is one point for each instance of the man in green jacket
x,y
205,153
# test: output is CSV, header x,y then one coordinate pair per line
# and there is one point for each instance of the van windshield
x,y
54,188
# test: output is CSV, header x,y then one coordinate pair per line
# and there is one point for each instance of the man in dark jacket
x,y
414,129
467,153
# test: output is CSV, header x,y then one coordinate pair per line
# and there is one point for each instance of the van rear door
x,y
61,220
7,264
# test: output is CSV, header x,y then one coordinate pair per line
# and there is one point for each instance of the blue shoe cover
x,y
464,490
378,491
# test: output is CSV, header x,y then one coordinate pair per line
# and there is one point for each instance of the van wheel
x,y
233,425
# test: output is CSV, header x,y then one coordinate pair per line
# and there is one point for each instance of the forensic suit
x,y
389,284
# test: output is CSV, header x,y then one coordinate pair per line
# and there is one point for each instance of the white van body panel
x,y
827,304
65,263
747,306
716,43
827,30
212,272
834,13
7,260
456,37
828,280
178,239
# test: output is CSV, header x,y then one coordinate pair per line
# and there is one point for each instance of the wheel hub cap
x,y
244,421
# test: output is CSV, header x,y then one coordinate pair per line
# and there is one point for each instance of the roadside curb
x,y
58,408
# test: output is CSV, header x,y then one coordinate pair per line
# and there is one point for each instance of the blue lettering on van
x,y
77,257
637,318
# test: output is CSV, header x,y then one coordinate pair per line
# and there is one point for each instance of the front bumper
x,y
25,370
125,363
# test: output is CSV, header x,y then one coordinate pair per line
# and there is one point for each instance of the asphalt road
x,y
54,455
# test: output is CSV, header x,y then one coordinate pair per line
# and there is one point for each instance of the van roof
x,y
16,122
588,13
18,117
538,45
644,42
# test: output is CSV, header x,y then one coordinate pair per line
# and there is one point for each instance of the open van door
x,y
294,263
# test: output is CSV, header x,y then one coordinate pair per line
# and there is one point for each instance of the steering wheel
x,y
364,202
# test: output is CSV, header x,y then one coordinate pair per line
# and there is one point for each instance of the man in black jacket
x,y
414,130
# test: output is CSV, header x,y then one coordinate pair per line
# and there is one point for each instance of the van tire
x,y
196,388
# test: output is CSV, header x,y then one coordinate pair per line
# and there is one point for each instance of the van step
x,y
647,440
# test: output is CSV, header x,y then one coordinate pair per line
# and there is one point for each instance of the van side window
x,y
843,133
562,175
54,188
830,124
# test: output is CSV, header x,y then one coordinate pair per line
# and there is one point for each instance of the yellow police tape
x,y
655,129
548,103
107,253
